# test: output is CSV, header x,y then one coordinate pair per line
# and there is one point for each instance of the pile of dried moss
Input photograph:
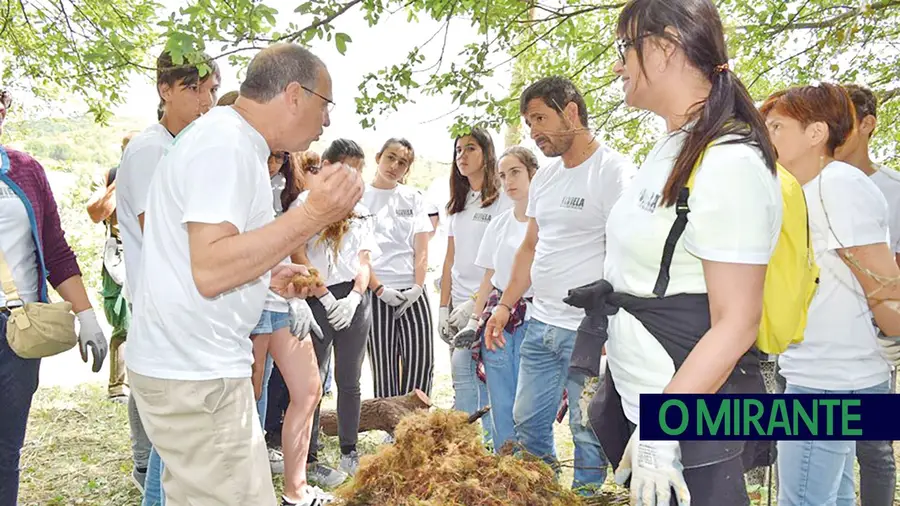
x,y
438,459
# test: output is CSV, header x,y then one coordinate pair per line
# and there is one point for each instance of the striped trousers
x,y
401,351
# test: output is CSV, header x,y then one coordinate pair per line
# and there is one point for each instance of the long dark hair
x,y
293,181
459,184
728,110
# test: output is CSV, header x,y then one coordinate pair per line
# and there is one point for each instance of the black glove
x,y
592,333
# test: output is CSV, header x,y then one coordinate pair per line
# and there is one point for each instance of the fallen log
x,y
379,414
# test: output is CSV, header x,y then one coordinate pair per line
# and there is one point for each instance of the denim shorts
x,y
270,321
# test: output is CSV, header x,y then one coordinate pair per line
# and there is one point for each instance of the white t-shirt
x,y
360,237
839,349
275,302
467,229
399,214
888,181
215,172
735,217
17,245
133,177
571,207
498,248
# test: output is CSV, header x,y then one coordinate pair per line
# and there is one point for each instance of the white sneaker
x,y
350,463
276,461
312,496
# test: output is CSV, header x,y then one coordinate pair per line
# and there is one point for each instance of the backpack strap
x,y
681,219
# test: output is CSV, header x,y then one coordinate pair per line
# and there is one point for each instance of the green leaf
x,y
341,40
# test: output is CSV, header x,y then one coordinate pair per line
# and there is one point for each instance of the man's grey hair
x,y
277,66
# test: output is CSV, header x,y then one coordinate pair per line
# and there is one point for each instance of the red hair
x,y
826,103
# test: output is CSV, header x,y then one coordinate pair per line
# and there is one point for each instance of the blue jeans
x,y
818,473
18,383
262,405
470,394
501,367
543,375
153,491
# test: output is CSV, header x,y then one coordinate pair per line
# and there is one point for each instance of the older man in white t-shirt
x,y
564,248
877,469
210,242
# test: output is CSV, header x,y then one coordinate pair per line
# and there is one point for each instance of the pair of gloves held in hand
x,y
340,314
341,311
460,318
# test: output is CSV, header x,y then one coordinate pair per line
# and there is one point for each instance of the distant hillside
x,y
70,144
76,152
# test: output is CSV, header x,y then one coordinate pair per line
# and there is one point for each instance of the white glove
x,y
461,314
890,349
343,310
411,295
655,468
91,335
301,318
444,324
465,337
392,297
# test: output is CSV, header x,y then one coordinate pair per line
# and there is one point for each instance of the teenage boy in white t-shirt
x,y
564,248
877,469
184,96
210,242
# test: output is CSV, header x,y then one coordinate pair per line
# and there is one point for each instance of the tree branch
x,y
825,23
292,37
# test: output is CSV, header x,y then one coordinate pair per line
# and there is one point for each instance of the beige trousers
x,y
209,437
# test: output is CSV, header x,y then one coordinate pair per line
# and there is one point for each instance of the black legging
x,y
349,353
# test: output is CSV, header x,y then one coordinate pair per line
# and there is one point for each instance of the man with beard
x,y
564,248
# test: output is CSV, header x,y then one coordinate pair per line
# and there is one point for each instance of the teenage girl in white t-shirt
x,y
281,337
848,221
501,240
342,255
400,342
474,201
674,63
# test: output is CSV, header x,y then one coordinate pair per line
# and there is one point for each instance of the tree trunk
x,y
379,414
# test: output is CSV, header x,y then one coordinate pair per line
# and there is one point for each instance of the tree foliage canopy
x,y
89,46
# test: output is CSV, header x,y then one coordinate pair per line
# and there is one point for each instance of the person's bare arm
x,y
484,291
434,224
102,203
897,258
420,247
875,267
445,274
72,290
520,279
223,259
735,306
141,221
361,282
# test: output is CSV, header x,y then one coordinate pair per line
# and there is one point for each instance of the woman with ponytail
x,y
674,63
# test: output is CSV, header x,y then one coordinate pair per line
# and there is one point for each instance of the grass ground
x,y
77,450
